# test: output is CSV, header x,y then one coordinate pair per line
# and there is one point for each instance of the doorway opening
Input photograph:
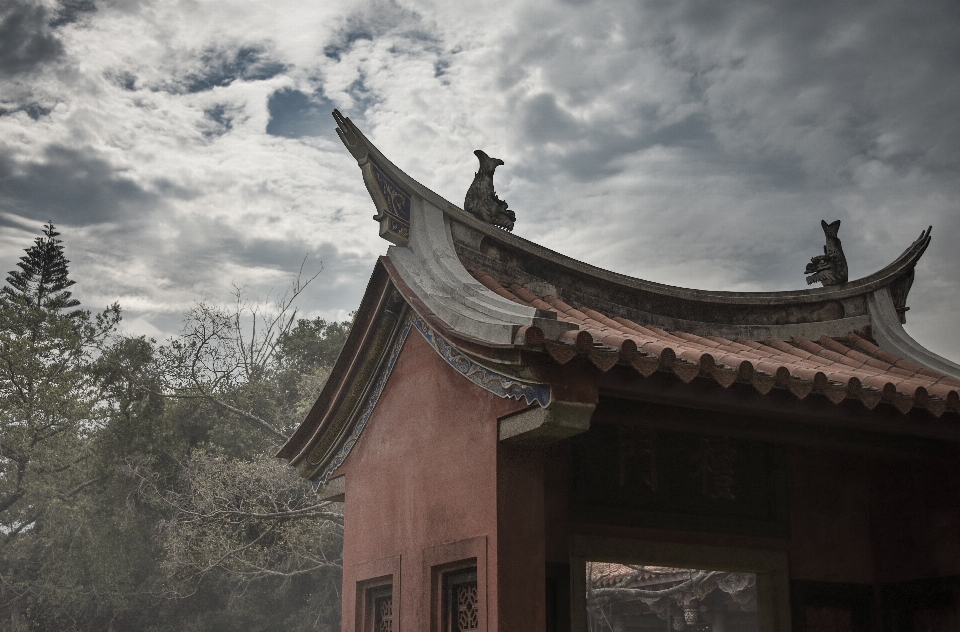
x,y
633,597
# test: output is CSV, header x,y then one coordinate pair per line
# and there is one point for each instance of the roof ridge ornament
x,y
393,200
830,268
350,136
482,200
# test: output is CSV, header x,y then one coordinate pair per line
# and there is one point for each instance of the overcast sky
x,y
181,147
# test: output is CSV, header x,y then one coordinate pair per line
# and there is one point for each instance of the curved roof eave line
x,y
361,148
901,266
429,264
324,439
427,261
890,335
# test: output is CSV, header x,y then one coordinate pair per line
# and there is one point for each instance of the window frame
x,y
441,562
449,580
371,581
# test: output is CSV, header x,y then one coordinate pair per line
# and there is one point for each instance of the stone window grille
x,y
379,609
460,601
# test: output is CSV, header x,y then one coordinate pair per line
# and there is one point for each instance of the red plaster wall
x,y
429,470
423,473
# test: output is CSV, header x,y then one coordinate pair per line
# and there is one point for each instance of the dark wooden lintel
x,y
703,406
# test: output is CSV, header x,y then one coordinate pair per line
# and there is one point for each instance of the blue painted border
x,y
504,386
368,407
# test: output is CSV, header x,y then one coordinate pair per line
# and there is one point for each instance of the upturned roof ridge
x,y
436,243
834,368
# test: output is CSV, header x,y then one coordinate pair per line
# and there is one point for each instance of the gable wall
x,y
422,474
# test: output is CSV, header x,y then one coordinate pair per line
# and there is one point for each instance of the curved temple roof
x,y
498,298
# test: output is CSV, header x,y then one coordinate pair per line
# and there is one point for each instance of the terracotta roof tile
x,y
837,370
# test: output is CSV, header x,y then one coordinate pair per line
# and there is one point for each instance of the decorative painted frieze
x,y
493,381
392,202
499,384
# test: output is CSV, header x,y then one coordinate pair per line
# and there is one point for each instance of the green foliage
x,y
311,343
305,355
227,504
137,485
42,280
51,400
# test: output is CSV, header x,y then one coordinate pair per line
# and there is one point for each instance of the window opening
x,y
642,598
460,601
380,609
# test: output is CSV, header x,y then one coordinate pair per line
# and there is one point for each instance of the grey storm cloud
x,y
821,83
221,119
377,19
71,11
594,148
77,188
33,110
340,275
199,263
26,39
689,142
215,67
779,114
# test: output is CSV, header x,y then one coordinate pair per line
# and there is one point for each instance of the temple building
x,y
526,443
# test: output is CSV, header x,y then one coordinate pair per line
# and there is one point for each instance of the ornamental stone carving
x,y
482,200
830,268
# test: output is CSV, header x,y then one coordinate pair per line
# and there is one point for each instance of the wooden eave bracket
x,y
334,490
541,426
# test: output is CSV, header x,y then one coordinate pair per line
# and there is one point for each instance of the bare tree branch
x,y
257,421
79,488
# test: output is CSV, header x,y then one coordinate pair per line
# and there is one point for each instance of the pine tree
x,y
50,392
42,280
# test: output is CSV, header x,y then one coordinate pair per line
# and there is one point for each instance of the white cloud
x,y
686,143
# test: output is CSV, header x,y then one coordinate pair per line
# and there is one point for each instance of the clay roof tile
x,y
836,370
529,296
787,348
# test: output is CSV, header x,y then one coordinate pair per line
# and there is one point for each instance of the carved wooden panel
x,y
624,474
376,612
394,206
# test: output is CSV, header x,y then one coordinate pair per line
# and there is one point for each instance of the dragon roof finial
x,y
830,268
482,200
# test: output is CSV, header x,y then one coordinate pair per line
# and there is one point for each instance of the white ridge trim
x,y
890,335
429,265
